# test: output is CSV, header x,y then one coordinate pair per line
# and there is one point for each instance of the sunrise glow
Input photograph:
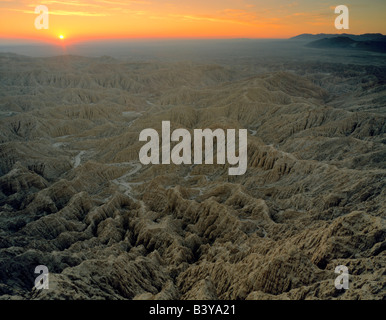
x,y
100,19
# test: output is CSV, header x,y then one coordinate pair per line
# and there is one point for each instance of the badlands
x,y
75,197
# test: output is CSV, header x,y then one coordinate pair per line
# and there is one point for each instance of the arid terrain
x,y
75,197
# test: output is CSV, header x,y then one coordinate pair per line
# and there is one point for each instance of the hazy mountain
x,y
361,37
348,43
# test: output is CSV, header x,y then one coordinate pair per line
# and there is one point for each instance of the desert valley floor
x,y
75,198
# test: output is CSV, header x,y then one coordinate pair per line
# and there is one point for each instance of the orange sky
x,y
95,19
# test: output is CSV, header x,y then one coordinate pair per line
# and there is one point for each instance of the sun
x,y
61,37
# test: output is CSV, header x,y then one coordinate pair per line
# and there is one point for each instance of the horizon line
x,y
77,40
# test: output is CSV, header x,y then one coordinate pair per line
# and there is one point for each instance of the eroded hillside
x,y
74,196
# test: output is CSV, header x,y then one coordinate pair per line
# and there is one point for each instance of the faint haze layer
x,y
194,50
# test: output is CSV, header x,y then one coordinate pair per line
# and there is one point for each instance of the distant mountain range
x,y
375,42
359,37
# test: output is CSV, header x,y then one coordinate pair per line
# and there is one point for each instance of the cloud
x,y
239,14
228,15
78,13
231,16
124,3
297,14
67,3
66,13
290,5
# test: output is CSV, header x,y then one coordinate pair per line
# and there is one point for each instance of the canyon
x,y
75,197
